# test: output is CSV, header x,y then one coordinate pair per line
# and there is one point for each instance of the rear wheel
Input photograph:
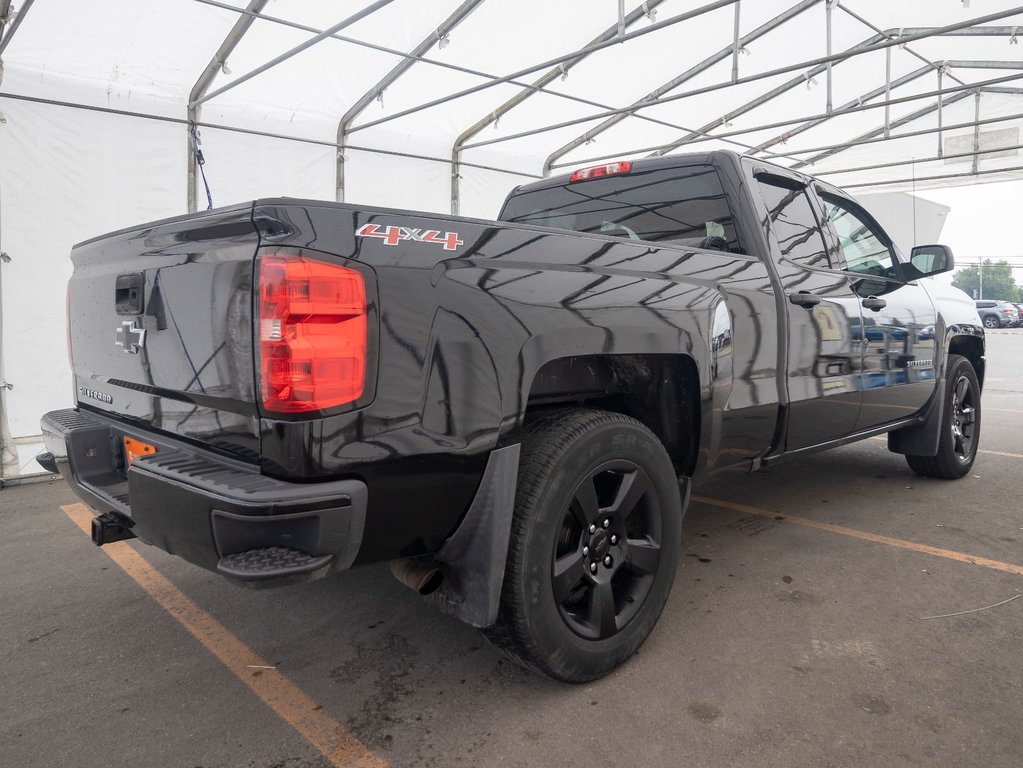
x,y
960,425
594,544
991,321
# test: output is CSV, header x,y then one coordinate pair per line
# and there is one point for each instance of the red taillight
x,y
312,334
597,171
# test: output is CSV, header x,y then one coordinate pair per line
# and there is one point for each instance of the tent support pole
x,y
887,92
879,131
911,35
770,96
736,46
941,112
888,99
551,62
942,177
217,63
292,52
377,91
20,17
972,87
976,133
559,70
655,96
918,160
827,21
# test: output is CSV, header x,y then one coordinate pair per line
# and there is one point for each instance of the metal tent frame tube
x,y
457,17
913,134
976,132
561,70
1015,169
656,95
435,62
252,132
754,104
879,131
292,52
958,28
918,160
887,89
202,84
794,152
20,17
770,95
736,44
827,21
551,62
5,12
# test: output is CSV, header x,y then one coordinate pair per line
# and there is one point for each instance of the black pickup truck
x,y
511,412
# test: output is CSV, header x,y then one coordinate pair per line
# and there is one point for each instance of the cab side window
x,y
863,249
793,221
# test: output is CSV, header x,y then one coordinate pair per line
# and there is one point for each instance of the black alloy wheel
x,y
960,425
608,550
594,544
964,419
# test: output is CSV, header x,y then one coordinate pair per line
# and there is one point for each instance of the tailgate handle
x,y
129,294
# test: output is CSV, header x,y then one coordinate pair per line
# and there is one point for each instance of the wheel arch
x,y
661,391
972,348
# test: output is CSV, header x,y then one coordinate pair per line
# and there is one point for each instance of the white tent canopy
x,y
444,105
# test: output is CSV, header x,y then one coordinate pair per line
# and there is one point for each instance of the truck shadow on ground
x,y
422,688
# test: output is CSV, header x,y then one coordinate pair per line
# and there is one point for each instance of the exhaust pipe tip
x,y
421,576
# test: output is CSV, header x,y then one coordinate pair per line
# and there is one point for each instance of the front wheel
x,y
594,544
960,425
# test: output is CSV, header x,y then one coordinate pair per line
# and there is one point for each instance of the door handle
x,y
874,303
805,299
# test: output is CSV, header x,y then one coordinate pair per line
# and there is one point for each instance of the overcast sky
x,y
985,221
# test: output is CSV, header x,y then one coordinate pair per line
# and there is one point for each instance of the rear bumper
x,y
221,515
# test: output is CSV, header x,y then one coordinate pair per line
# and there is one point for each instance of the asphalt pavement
x,y
834,610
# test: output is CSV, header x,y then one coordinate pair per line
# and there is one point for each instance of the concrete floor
x,y
782,644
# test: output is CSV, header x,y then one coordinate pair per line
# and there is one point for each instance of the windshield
x,y
683,205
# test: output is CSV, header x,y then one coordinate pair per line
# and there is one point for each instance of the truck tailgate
x,y
160,328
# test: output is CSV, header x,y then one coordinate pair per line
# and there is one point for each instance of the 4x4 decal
x,y
392,235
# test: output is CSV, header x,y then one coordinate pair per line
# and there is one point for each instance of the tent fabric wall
x,y
69,174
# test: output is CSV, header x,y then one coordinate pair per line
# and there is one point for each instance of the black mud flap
x,y
922,439
473,559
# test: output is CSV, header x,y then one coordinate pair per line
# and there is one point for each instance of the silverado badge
x,y
130,337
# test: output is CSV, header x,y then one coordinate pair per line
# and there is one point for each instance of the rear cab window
x,y
684,205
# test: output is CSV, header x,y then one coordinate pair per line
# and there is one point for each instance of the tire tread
x,y
545,440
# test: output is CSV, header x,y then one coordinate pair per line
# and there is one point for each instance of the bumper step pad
x,y
273,563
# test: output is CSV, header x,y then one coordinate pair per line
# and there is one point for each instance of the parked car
x,y
997,314
511,412
1019,311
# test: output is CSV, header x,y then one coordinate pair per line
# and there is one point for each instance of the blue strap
x,y
201,161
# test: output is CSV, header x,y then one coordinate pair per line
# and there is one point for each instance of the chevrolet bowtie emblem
x,y
130,338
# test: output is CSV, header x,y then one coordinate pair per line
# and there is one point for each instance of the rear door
x,y
160,323
899,318
822,314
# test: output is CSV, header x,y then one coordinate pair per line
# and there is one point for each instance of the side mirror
x,y
928,260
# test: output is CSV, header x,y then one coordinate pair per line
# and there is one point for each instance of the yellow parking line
x,y
980,450
303,714
874,537
1002,453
